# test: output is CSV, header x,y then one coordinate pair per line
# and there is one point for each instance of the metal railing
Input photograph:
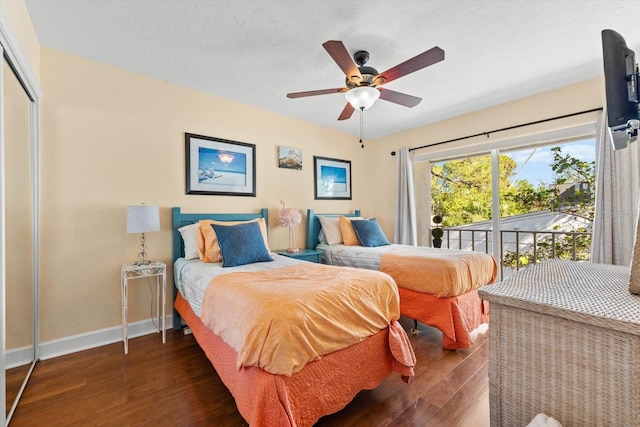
x,y
519,248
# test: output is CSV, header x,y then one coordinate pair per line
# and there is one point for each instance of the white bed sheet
x,y
192,276
369,257
356,256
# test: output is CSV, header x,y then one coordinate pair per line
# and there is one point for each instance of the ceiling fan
x,y
363,82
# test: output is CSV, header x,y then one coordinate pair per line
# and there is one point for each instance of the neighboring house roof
x,y
571,195
535,221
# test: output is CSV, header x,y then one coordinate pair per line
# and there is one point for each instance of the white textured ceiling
x,y
255,52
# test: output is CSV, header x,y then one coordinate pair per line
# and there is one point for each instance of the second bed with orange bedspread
x,y
437,287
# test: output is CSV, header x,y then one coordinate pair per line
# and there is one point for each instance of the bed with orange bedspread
x,y
437,287
346,351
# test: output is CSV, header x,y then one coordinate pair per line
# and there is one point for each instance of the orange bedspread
x,y
323,387
443,273
281,319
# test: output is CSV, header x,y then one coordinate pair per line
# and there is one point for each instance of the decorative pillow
x,y
208,248
331,228
190,234
369,233
349,237
241,244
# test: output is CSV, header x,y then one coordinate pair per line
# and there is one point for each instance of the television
x,y
621,89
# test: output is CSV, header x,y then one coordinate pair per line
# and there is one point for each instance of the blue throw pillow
x,y
369,232
241,244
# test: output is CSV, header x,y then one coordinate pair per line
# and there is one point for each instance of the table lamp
x,y
142,219
290,217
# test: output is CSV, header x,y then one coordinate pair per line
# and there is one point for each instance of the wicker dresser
x,y
565,341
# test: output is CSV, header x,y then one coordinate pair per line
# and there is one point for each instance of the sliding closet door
x,y
19,220
19,235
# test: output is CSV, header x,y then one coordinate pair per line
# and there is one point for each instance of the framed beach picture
x,y
219,167
332,178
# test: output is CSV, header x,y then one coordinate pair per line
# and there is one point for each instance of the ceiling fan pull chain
x,y
361,127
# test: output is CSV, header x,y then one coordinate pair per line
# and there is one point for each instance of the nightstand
x,y
139,271
304,254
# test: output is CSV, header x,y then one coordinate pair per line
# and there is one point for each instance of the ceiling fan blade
x,y
399,98
430,57
339,53
347,112
316,92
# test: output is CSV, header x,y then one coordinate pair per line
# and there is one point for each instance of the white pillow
x,y
189,235
331,229
322,238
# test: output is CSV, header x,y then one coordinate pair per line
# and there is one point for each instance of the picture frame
x,y
332,178
289,157
222,167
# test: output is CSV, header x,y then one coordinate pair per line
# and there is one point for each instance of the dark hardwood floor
x,y
175,385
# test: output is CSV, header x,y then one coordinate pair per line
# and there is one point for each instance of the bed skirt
x,y
323,387
455,316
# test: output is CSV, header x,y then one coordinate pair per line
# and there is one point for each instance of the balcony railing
x,y
519,248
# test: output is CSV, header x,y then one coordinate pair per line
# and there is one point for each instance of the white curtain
x,y
616,206
405,224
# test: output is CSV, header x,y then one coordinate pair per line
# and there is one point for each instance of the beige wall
x,y
112,138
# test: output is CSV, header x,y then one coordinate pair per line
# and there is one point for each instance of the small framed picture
x,y
332,178
289,158
217,166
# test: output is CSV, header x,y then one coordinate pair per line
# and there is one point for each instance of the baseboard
x,y
75,343
18,357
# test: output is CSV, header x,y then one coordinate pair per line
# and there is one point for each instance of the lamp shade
x,y
142,219
362,97
289,217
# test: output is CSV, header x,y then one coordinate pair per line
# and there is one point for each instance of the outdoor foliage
x,y
461,190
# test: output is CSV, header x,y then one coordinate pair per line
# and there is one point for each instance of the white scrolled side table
x,y
137,271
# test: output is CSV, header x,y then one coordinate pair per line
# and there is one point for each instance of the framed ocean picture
x,y
217,166
332,178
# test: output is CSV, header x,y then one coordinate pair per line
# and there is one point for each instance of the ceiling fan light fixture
x,y
362,97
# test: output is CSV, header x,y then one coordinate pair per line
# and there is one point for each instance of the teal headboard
x,y
313,225
179,219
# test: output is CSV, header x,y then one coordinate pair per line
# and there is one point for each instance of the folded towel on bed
x,y
542,420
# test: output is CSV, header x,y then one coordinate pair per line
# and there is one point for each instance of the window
x,y
523,202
